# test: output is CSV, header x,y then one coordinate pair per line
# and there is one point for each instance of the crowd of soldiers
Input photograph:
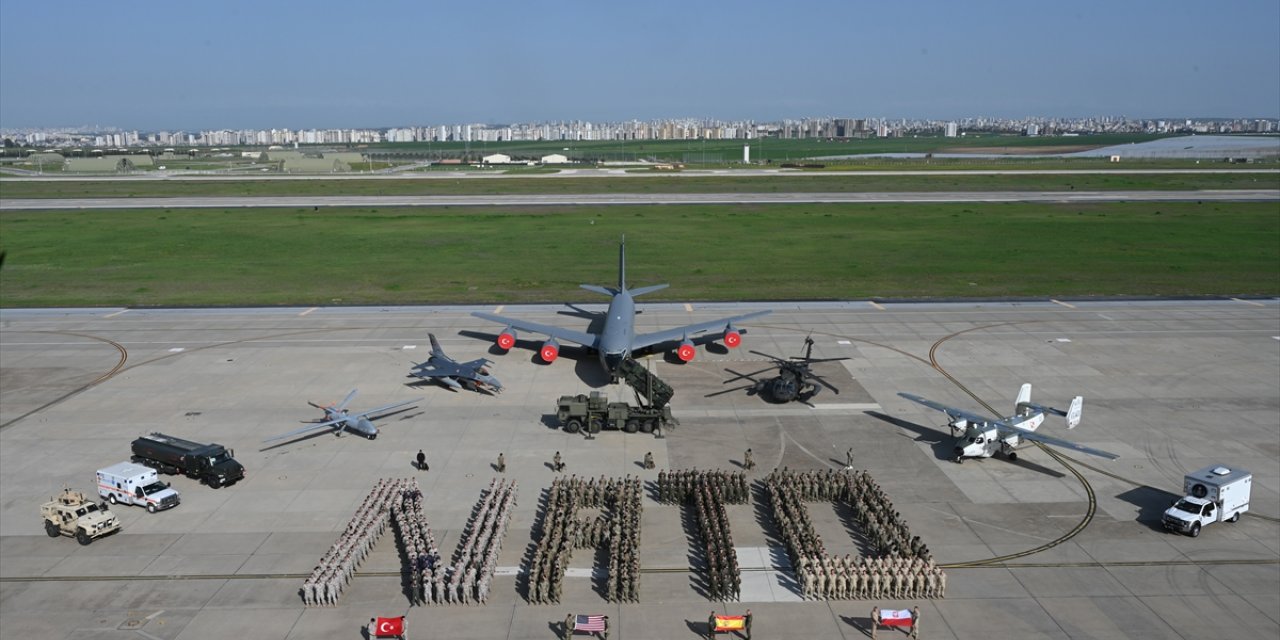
x,y
416,539
904,566
710,491
724,580
338,565
836,578
562,532
470,575
675,487
624,542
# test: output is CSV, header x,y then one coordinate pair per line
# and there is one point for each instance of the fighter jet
x,y
617,339
454,375
981,437
338,419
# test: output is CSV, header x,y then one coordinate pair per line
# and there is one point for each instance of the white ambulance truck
x,y
130,483
1215,493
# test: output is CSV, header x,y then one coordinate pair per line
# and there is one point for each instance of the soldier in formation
x,y
902,566
469,577
676,487
338,565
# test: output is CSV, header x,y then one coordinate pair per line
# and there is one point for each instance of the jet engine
x,y
732,337
550,351
686,351
507,338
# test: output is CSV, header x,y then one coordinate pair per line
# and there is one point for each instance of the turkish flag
x,y
390,626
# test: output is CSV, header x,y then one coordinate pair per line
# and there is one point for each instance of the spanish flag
x,y
730,623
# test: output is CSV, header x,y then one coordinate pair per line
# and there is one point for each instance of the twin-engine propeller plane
x,y
454,375
338,418
981,437
617,339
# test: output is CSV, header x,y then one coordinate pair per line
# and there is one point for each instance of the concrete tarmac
x,y
1232,195
1171,386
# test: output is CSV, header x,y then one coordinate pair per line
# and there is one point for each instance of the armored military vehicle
x,y
652,411
73,514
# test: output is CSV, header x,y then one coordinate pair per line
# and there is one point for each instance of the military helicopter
x,y
795,379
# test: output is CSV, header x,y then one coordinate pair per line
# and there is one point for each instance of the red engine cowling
x,y
732,337
506,339
686,351
550,351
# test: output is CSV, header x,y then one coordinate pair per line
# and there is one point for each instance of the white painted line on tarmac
x,y
688,307
308,311
499,308
152,616
854,406
409,347
177,350
507,571
1256,304
1069,306
843,342
875,306
112,315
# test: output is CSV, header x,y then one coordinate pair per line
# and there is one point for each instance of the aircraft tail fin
x,y
435,346
622,264
1074,411
1024,394
649,289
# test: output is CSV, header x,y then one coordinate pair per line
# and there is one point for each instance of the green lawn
x,y
802,182
721,252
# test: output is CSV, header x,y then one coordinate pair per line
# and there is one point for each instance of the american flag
x,y
588,623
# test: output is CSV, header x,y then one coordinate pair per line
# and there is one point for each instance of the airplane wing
x,y
436,369
577,337
952,412
470,368
306,429
668,335
1057,442
381,409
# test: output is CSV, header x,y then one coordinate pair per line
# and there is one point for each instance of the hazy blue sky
x,y
261,64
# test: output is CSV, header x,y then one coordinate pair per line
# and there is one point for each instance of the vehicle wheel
x,y
1195,530
631,426
596,425
573,426
111,497
82,537
151,508
646,426
51,529
1235,517
1013,456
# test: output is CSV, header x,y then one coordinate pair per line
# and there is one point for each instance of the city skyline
x,y
239,65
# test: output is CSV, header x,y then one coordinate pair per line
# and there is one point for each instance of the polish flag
x,y
899,618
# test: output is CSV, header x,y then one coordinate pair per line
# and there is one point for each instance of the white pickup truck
x,y
1215,493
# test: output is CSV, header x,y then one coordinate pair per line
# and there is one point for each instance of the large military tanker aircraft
x,y
617,339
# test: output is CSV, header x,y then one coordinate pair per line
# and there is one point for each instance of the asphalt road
x,y
1170,386
1234,195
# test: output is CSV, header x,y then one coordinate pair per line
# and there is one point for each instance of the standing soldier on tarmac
x,y
648,460
747,462
422,461
915,621
557,463
568,626
848,458
502,463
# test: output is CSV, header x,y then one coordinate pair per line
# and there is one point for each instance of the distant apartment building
x,y
952,130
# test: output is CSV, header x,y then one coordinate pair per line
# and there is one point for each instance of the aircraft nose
x,y
612,361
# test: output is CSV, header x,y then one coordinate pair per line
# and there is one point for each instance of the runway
x,y
1169,385
1235,195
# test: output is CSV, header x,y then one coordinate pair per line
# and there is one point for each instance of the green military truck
x,y
652,411
594,413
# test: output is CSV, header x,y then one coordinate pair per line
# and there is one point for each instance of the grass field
x,y
807,182
353,256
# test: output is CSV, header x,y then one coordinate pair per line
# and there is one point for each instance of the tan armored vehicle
x,y
73,514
